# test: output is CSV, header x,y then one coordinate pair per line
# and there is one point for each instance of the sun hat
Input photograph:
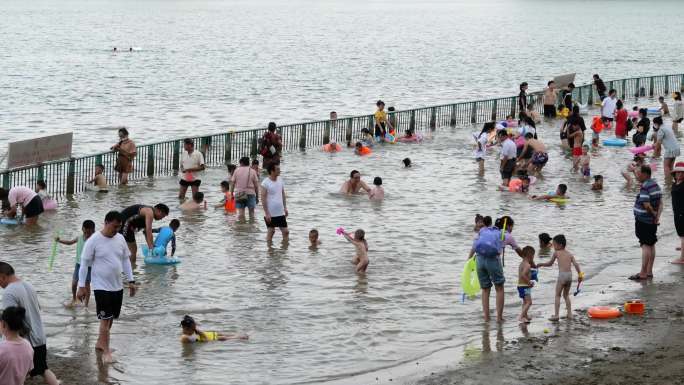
x,y
679,167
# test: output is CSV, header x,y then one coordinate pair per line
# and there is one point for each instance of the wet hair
x,y
596,76
271,168
478,218
550,82
174,224
198,197
88,224
575,110
661,98
231,168
351,174
643,111
502,133
645,169
255,162
488,127
14,318
598,178
571,85
100,166
272,126
123,130
188,141
560,240
635,108
612,91
585,146
523,84
500,222
6,269
313,231
358,144
658,120
41,183
619,104
528,251
187,322
113,216
379,103
365,131
163,208
244,161
359,235
225,184
677,95
529,135
377,181
407,162
487,220
544,238
563,188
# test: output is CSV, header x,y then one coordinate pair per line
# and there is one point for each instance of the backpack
x,y
489,243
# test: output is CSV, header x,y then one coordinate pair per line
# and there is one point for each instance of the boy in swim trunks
x,y
359,242
192,334
564,282
87,229
585,161
525,282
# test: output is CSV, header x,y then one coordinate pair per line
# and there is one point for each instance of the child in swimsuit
x,y
564,282
314,242
192,334
598,183
166,235
544,244
377,193
559,193
585,161
99,179
525,282
359,242
632,168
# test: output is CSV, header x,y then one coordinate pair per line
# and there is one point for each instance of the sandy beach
x,y
646,349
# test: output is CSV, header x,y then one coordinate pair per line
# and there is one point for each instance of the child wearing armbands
x,y
525,282
87,229
192,334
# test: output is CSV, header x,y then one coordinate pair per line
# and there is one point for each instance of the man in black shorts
x,y
107,255
647,209
192,162
138,217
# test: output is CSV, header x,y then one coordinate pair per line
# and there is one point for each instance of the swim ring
x,y
653,111
159,257
9,221
49,204
633,114
641,149
332,147
514,185
365,150
230,203
615,142
598,124
390,138
469,281
604,312
560,201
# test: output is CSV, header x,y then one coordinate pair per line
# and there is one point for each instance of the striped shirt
x,y
649,193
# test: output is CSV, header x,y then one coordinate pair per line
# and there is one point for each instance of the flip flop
x,y
635,277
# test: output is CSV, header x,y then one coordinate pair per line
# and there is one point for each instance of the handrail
x,y
70,176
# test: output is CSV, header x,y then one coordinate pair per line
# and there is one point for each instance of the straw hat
x,y
678,167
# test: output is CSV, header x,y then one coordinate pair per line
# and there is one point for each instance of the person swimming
x,y
192,334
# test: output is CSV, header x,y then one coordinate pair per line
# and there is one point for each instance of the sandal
x,y
635,277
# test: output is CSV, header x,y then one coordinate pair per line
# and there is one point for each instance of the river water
x,y
203,66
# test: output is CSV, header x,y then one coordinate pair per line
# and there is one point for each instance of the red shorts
x,y
577,151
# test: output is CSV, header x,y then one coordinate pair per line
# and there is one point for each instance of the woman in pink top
x,y
31,204
245,185
16,353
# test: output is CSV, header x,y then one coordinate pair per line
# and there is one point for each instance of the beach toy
x,y
653,111
9,221
332,147
503,237
579,284
49,204
390,138
546,331
560,201
158,256
534,274
365,150
470,284
189,177
230,203
615,142
633,114
340,231
598,124
604,312
641,149
635,306
53,254
515,185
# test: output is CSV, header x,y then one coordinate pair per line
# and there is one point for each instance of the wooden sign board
x,y
39,150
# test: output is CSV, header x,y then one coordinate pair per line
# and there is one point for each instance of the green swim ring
x,y
469,282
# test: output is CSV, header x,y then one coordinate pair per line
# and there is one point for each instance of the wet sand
x,y
646,349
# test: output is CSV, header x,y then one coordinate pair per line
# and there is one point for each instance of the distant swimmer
x,y
114,49
130,49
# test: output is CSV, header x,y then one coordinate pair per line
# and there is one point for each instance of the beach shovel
x,y
579,285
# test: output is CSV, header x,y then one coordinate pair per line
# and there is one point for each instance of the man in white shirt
x,y
273,200
192,162
608,106
509,153
107,254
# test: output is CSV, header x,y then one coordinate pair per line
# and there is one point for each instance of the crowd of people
x,y
104,256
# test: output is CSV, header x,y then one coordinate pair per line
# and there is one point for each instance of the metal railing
x,y
70,176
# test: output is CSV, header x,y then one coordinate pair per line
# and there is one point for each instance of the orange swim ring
x,y
364,150
604,312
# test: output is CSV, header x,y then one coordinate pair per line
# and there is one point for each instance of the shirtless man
x,y
360,260
539,154
138,217
564,283
354,184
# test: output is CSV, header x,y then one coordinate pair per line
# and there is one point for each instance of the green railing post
x,y
452,121
348,133
71,176
227,153
494,108
371,123
150,160
176,156
412,121
98,160
514,102
253,147
6,180
41,172
624,88
433,118
473,113
667,85
302,137
650,86
681,84
326,132
590,97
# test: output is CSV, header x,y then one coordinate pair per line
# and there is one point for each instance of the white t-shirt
x,y
481,138
194,160
608,107
21,195
108,257
274,197
508,149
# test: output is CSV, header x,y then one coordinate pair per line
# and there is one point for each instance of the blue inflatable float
x,y
159,257
615,142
